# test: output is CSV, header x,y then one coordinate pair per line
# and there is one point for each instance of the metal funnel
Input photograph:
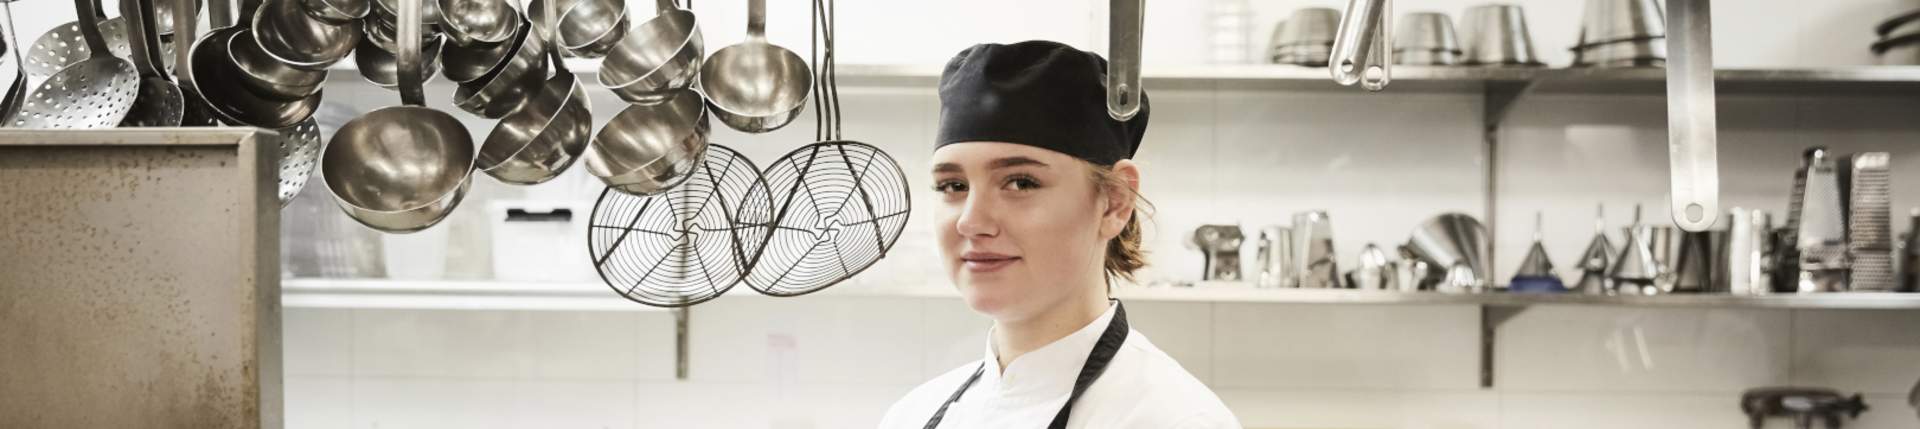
x,y
1635,269
1451,240
1536,263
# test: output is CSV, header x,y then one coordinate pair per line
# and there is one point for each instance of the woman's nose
x,y
976,218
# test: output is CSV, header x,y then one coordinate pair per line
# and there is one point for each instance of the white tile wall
x,y
1260,346
1875,352
1596,349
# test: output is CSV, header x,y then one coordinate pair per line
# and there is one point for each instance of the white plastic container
x,y
540,241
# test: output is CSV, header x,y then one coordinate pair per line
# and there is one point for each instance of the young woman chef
x,y
1037,215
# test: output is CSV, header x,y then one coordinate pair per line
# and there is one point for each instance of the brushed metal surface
x,y
139,279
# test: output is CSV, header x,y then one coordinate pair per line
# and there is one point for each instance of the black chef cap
x,y
1037,93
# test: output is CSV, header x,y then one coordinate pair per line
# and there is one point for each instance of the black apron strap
x,y
1097,361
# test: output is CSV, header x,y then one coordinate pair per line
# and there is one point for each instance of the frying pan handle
x,y
408,59
89,15
756,19
1124,92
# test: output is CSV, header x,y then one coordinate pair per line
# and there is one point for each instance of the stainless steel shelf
x,y
380,293
1853,80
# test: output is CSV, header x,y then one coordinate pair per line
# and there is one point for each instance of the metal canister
x,y
1276,258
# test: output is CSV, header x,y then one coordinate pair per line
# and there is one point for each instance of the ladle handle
x,y
1125,21
1364,31
247,9
140,31
550,14
184,37
220,13
665,5
89,15
756,19
408,59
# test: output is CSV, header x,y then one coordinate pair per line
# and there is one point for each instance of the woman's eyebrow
x,y
1014,161
946,167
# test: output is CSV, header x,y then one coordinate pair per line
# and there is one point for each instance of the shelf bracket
x,y
680,343
1498,99
1491,317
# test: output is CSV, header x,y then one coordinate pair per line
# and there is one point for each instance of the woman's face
x,y
1021,228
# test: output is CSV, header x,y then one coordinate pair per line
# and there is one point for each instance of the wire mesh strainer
x,y
687,245
842,204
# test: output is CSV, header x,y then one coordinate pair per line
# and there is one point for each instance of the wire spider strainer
x,y
687,245
842,205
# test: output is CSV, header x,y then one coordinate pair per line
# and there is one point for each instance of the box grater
x,y
1870,224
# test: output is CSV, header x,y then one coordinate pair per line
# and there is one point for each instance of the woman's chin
x,y
988,299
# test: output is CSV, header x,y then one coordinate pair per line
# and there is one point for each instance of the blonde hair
x,y
1125,252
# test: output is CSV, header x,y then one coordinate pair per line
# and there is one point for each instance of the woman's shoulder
x,y
925,398
1151,389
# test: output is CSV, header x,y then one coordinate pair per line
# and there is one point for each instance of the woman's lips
x,y
981,262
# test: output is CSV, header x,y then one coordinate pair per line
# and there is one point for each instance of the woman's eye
x,y
1021,183
950,186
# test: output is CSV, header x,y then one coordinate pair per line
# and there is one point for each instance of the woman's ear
x,y
1120,198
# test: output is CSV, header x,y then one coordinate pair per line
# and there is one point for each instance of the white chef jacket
x,y
1141,388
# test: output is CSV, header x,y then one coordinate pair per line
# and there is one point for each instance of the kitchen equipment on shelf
x,y
1595,260
1870,223
1219,247
1497,35
401,168
1802,404
94,93
1910,254
539,241
663,56
298,39
542,138
1412,274
591,27
17,89
1607,21
1306,37
1622,33
1748,265
1820,227
1635,271
688,245
268,77
158,103
212,74
468,22
1275,256
1126,26
647,149
1664,241
1375,271
1536,269
379,67
1230,23
839,205
755,86
1697,260
299,152
469,62
1426,39
1362,46
1313,255
500,91
1454,242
